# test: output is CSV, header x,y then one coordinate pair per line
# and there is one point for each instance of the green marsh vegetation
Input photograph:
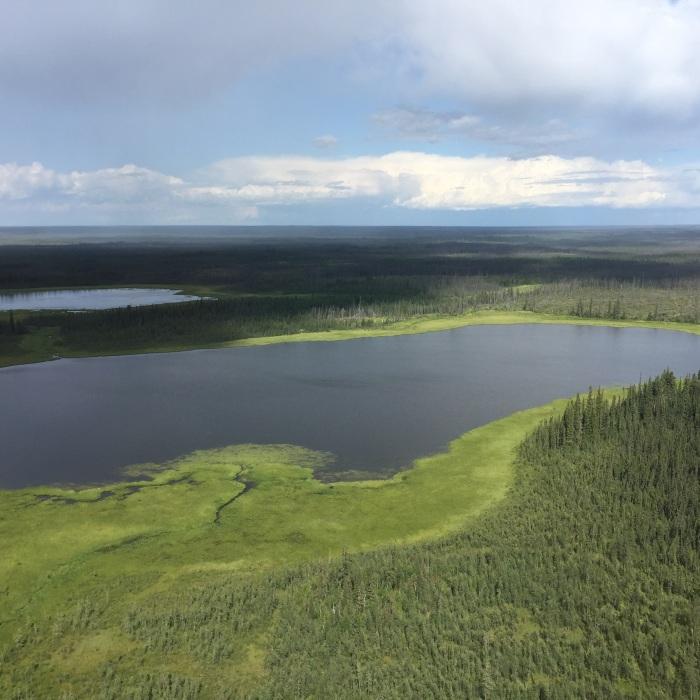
x,y
362,283
244,507
580,582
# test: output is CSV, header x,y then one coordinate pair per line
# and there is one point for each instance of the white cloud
x,y
240,187
624,54
598,54
424,123
158,49
129,183
433,125
22,181
426,181
326,141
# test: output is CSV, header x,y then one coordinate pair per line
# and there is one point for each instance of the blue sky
x,y
396,112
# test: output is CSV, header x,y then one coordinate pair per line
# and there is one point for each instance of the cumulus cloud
x,y
242,187
107,195
23,181
127,183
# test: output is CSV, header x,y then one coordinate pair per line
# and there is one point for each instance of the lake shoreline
x,y
419,325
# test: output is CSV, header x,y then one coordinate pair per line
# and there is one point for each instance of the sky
x,y
400,112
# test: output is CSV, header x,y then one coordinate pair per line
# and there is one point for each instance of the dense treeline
x,y
332,263
233,318
582,583
664,300
10,325
277,287
228,319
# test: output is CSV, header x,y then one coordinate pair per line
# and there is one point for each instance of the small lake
x,y
375,403
89,299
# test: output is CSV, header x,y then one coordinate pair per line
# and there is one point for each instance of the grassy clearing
x,y
430,324
37,346
200,514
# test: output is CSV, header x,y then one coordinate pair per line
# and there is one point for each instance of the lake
x,y
89,299
375,403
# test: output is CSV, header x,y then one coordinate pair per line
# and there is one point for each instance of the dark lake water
x,y
89,299
376,403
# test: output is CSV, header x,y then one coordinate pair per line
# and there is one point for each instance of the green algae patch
x,y
234,509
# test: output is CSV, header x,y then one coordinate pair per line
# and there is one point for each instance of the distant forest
x,y
289,285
